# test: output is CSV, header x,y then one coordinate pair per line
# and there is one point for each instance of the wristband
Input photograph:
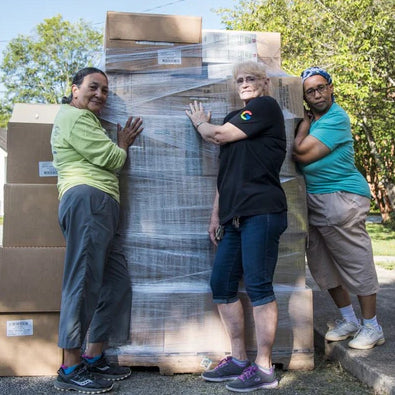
x,y
198,124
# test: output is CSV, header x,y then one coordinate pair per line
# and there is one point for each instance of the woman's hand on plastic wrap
x,y
127,134
197,115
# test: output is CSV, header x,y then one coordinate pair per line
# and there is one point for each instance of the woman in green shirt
x,y
96,282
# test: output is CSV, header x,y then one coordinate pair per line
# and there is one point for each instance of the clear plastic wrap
x,y
167,190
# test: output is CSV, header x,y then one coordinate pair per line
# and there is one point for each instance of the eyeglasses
x,y
248,79
320,89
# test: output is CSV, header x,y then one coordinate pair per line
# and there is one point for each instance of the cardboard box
x,y
231,46
31,216
289,167
149,91
30,279
34,113
28,344
288,91
29,158
142,42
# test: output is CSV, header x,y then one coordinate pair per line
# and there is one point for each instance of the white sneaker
x,y
342,330
367,337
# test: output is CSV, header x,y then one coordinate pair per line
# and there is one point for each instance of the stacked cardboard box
x,y
31,258
141,42
221,49
167,190
30,194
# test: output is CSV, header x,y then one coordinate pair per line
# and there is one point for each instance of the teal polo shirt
x,y
336,171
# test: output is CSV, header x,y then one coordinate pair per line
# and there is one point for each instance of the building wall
x,y
3,158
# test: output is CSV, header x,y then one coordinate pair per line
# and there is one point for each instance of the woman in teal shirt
x,y
339,252
336,170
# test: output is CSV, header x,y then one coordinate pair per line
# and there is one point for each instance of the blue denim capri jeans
x,y
249,250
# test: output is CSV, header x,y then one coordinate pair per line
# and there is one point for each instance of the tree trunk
x,y
383,190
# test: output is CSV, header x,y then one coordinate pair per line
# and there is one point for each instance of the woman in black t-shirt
x,y
249,215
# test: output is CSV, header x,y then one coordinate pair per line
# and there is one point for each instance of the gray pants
x,y
96,291
340,249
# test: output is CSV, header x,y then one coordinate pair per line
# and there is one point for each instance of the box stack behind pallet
x,y
168,186
31,257
167,189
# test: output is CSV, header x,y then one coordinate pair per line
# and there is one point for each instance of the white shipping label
x,y
20,328
46,169
172,56
162,43
206,363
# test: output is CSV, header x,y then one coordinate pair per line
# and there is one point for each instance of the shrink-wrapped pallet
x,y
167,190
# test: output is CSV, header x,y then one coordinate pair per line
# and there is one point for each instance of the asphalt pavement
x,y
375,367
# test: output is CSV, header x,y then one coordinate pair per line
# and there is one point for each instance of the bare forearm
x,y
214,219
215,210
207,131
307,148
301,133
216,134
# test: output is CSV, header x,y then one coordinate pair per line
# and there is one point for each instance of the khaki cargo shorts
x,y
339,250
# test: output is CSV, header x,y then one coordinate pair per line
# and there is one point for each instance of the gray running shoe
x,y
81,380
343,330
367,337
226,370
108,371
253,379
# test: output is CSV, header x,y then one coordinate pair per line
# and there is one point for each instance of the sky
x,y
22,16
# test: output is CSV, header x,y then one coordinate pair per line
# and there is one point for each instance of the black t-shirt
x,y
248,179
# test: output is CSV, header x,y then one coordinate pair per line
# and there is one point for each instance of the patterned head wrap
x,y
316,71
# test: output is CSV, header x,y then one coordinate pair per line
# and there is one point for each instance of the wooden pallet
x,y
169,364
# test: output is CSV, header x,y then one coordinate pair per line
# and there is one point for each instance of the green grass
x,y
383,239
385,264
383,243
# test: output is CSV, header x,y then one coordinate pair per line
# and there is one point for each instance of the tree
x,y
354,40
39,68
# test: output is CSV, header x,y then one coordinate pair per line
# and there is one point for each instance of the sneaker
x,y
226,370
108,371
342,330
81,380
253,379
367,337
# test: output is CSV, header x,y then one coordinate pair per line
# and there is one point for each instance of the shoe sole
x,y
339,338
73,387
219,379
110,377
368,346
273,384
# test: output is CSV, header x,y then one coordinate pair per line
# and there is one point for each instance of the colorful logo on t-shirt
x,y
246,115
